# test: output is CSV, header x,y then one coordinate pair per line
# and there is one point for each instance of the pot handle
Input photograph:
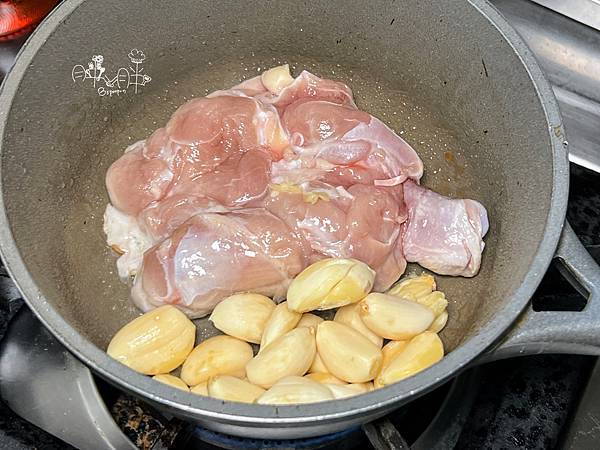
x,y
47,386
576,332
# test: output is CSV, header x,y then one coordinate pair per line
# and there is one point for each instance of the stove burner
x,y
432,421
228,442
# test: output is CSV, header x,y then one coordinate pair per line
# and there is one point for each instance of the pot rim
x,y
301,415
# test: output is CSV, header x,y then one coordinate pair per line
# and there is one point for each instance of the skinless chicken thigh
x,y
442,234
363,222
213,256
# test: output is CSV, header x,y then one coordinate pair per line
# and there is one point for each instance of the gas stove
x,y
534,402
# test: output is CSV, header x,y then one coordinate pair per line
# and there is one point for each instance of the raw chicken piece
x,y
160,219
215,255
321,223
226,123
308,86
343,146
314,121
442,234
304,86
239,180
374,222
363,222
200,136
134,181
331,140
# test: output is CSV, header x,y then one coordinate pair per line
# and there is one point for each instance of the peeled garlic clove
x,y
330,283
281,321
421,352
233,389
219,355
309,320
154,343
293,389
350,315
277,78
200,389
413,288
436,302
290,354
368,386
346,390
439,323
171,380
390,351
421,289
394,318
243,316
317,365
346,353
324,377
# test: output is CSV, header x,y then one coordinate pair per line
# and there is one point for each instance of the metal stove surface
x,y
531,402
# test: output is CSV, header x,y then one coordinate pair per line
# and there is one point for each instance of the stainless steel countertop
x,y
565,38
